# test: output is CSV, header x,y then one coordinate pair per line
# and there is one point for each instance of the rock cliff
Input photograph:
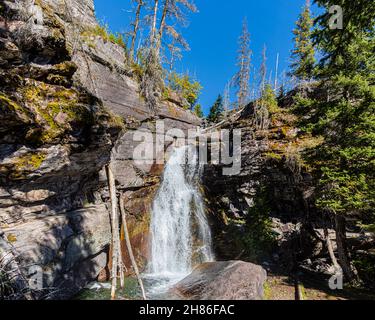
x,y
69,106
266,214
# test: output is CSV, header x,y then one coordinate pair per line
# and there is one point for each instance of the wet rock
x,y
230,280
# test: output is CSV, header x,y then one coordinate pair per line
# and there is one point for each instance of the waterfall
x,y
180,234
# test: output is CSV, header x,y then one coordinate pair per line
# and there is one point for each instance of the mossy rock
x,y
11,238
11,111
51,19
102,32
55,109
21,167
67,68
57,79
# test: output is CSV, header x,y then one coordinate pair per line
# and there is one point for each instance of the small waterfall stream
x,y
180,233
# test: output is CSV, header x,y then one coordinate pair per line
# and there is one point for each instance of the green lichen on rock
x,y
55,108
67,68
12,113
8,105
57,79
50,16
23,165
33,161
115,120
11,238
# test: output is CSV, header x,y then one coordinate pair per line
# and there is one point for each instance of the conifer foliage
x,y
216,110
344,117
303,54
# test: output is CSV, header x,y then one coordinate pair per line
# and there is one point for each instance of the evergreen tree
x,y
242,78
304,53
349,50
198,111
216,110
345,118
186,87
269,99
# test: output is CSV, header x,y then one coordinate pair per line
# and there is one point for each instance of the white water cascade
x,y
180,233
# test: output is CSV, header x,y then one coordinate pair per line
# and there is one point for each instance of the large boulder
x,y
229,280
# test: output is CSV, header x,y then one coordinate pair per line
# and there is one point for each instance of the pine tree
x,y
304,53
198,111
269,99
242,78
348,50
344,162
216,110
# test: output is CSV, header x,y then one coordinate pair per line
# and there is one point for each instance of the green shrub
x,y
188,88
259,238
103,32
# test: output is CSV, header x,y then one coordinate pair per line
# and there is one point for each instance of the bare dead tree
x,y
135,25
242,78
175,54
115,230
226,99
174,10
263,68
154,22
277,72
331,251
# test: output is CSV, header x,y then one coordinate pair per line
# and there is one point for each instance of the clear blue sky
x,y
213,36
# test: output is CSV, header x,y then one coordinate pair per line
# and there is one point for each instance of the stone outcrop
x,y
229,280
67,100
273,175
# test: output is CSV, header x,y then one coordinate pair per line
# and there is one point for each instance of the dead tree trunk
x,y
162,23
136,27
155,17
115,230
336,265
129,247
342,250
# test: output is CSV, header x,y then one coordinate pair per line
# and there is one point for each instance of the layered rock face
x,y
271,184
67,99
